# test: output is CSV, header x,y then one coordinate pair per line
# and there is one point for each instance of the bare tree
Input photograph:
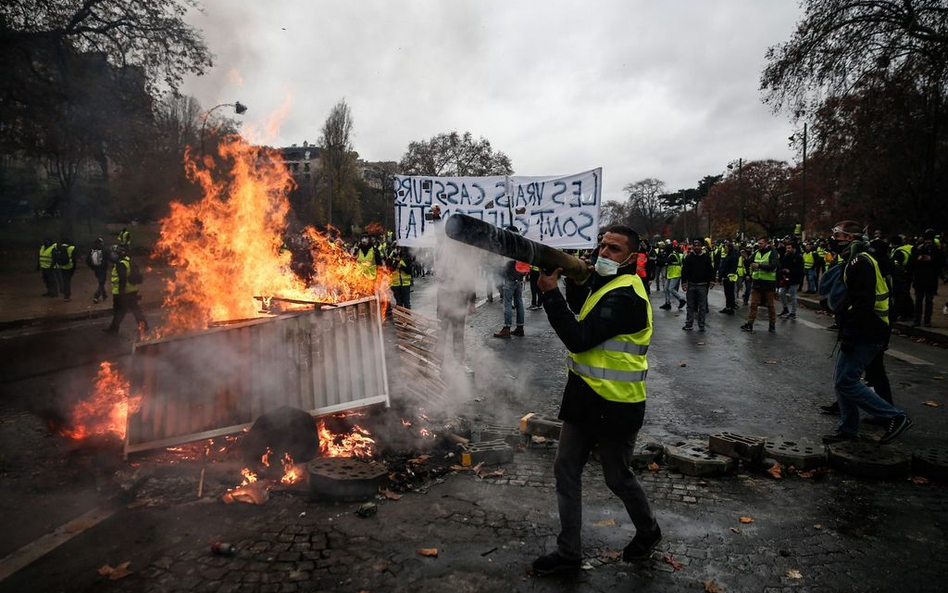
x,y
339,167
454,155
646,206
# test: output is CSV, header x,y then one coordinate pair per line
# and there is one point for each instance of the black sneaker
x,y
700,328
725,310
792,316
784,313
897,426
747,327
681,304
830,410
666,307
838,437
641,546
772,329
553,562
687,328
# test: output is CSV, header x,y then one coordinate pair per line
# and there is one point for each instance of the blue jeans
x,y
852,393
671,288
811,280
513,295
790,291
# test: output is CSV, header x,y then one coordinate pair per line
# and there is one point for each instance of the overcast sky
x,y
665,89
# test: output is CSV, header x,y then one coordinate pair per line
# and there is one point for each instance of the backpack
x,y
834,295
134,273
95,256
61,255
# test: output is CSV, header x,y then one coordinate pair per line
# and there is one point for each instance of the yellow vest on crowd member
x,y
759,274
125,238
674,266
46,256
881,307
70,264
129,287
367,260
901,255
400,277
615,369
740,266
808,260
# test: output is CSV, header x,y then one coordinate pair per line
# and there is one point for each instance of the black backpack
x,y
61,255
134,273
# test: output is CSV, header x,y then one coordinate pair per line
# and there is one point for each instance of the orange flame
x,y
249,476
227,248
265,459
106,410
291,472
355,444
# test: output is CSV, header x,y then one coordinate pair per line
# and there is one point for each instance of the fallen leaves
x,y
390,495
746,520
776,471
770,362
682,363
419,460
818,527
735,530
931,404
483,474
712,587
605,522
653,466
429,552
611,554
669,560
115,572
793,573
918,479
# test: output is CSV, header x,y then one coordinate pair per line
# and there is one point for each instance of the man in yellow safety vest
x,y
604,398
47,267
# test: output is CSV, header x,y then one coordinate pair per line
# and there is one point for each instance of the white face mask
x,y
607,267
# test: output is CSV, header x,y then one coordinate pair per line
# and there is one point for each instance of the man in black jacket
x,y
604,398
925,265
727,273
697,278
863,334
791,268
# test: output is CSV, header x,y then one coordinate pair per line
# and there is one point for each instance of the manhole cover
x,y
696,459
931,463
869,460
345,478
800,454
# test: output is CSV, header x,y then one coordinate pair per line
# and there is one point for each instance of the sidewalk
x,y
937,334
22,304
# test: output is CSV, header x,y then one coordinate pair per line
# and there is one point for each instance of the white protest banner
x,y
559,211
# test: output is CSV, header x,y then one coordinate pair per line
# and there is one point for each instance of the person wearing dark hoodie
x,y
864,331
925,266
604,398
697,278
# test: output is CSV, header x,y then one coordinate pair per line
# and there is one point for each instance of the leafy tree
x,y
454,155
338,181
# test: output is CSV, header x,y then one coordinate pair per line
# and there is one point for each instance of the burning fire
x,y
226,248
249,476
355,444
105,411
291,472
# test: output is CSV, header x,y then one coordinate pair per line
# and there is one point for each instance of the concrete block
x,y
498,432
696,459
738,446
487,452
344,478
541,426
869,460
802,455
931,463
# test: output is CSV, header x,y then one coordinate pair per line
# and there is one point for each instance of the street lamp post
x,y
740,191
803,183
239,109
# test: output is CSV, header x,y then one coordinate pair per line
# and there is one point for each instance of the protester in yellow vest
x,y
604,399
124,292
47,267
66,262
400,264
764,273
673,260
368,256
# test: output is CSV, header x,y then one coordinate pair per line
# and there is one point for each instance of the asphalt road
x,y
838,533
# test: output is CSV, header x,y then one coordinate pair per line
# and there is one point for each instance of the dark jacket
x,y
925,265
620,311
860,324
697,269
728,264
793,264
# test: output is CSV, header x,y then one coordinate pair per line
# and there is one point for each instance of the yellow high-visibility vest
x,y
616,368
881,307
129,287
367,260
70,264
46,257
759,274
674,266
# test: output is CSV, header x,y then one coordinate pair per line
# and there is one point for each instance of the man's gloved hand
x,y
549,281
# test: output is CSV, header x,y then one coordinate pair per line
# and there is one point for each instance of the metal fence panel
x,y
219,381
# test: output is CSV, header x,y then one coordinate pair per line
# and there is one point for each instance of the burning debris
x,y
105,412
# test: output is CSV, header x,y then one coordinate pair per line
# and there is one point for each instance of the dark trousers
x,y
67,282
51,282
571,455
125,303
877,378
402,296
729,301
534,288
928,296
100,292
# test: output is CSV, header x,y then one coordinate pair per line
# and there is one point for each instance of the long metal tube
x,y
483,235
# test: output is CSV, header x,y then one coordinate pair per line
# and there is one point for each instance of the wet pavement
x,y
831,532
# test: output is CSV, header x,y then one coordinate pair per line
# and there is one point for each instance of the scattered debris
x,y
367,510
252,493
746,520
391,495
538,440
489,552
735,530
605,522
793,573
931,404
223,549
667,558
712,587
770,362
653,466
776,471
115,572
611,554
682,363
430,552
483,474
918,480
818,526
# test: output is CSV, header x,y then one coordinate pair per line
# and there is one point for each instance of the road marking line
x,y
811,324
38,548
907,358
